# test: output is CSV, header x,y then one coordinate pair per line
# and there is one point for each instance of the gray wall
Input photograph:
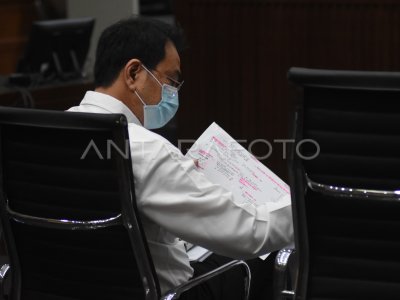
x,y
105,12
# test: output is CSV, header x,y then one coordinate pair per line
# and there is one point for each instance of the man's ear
x,y
131,71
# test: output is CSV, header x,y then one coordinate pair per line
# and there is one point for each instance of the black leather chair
x,y
345,186
69,212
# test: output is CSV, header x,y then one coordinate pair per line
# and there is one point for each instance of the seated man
x,y
137,73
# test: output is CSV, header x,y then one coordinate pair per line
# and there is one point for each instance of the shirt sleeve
x,y
173,194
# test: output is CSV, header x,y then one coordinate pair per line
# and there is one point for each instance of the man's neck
x,y
126,98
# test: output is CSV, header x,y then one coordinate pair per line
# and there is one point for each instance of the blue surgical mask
x,y
156,116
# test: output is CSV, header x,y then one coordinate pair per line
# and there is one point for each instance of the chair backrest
x,y
344,176
68,207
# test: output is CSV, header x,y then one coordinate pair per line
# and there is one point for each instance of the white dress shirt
x,y
175,200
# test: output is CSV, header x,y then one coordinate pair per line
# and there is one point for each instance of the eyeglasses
x,y
175,83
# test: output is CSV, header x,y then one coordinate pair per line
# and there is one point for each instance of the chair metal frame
x,y
129,216
291,265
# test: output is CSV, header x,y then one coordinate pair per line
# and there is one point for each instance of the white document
x,y
224,161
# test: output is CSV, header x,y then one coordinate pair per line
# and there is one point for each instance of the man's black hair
x,y
136,37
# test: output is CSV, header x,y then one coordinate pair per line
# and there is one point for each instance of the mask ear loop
x,y
137,94
140,98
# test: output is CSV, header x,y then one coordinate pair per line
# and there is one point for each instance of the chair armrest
x,y
285,274
4,273
176,292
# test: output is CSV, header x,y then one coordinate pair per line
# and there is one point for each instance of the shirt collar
x,y
109,104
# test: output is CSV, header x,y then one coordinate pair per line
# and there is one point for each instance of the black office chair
x,y
69,212
345,182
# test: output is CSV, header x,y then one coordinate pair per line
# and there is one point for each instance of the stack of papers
x,y
224,161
